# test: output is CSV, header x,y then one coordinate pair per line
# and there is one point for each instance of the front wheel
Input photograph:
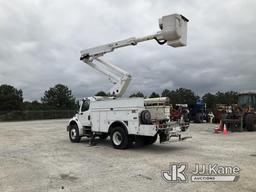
x,y
119,138
74,134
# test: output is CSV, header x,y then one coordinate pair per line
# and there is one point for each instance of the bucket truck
x,y
126,120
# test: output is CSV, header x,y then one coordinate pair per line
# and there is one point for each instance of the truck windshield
x,y
245,100
85,105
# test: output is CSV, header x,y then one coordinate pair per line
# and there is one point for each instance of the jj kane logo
x,y
178,172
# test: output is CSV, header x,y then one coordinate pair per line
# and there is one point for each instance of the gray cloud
x,y
41,41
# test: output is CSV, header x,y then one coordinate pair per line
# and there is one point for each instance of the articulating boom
x,y
173,32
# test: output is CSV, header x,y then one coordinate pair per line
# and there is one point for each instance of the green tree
x,y
166,93
229,97
180,96
186,96
210,100
220,97
10,98
138,94
101,93
173,98
154,95
232,97
59,97
33,106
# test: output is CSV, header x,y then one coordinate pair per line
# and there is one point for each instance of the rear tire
x,y
74,134
250,122
119,138
150,140
199,118
139,141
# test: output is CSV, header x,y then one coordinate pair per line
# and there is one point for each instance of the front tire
x,y
119,138
74,134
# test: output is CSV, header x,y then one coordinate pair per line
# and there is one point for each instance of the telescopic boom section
x,y
173,32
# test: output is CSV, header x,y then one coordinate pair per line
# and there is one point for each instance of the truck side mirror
x,y
80,106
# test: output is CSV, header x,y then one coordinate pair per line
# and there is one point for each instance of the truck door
x,y
84,113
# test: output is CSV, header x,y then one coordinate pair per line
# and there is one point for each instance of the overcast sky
x,y
41,42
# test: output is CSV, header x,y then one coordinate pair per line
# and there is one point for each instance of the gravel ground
x,y
38,156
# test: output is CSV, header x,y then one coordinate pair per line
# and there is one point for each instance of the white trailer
x,y
159,108
126,120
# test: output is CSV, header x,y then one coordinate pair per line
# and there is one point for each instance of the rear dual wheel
x,y
144,140
119,138
251,122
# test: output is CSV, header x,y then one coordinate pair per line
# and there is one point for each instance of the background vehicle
x,y
159,109
180,113
242,116
197,112
219,111
180,110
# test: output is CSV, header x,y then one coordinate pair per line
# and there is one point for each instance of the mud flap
x,y
164,137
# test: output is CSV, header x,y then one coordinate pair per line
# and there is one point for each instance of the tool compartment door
x,y
99,121
103,122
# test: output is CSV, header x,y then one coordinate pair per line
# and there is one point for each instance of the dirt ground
x,y
38,156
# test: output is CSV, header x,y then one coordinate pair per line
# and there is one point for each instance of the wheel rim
x,y
117,138
73,134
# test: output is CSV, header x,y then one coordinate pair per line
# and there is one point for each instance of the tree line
x,y
187,96
60,97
